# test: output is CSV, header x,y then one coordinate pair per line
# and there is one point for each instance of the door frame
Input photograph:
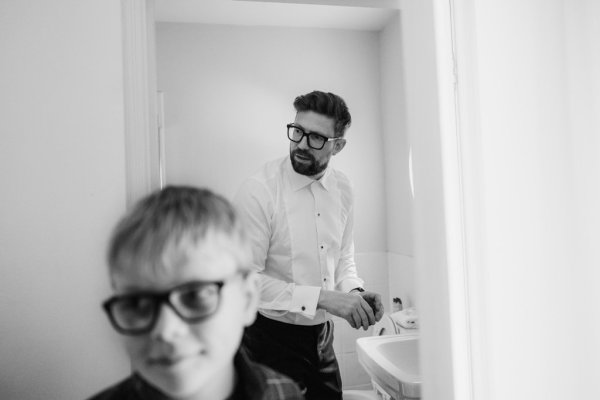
x,y
459,149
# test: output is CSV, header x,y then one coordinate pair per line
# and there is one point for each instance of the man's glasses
x,y
137,313
315,140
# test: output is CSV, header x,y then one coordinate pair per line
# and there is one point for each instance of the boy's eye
x,y
199,298
135,306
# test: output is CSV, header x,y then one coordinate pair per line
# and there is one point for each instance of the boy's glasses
x,y
315,140
137,313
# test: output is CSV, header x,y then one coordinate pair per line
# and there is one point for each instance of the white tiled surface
x,y
390,275
401,279
373,269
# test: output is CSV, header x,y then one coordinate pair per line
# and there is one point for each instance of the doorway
x,y
429,102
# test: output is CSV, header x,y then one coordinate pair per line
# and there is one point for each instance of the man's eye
x,y
316,138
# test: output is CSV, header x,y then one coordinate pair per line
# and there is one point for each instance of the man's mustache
x,y
303,153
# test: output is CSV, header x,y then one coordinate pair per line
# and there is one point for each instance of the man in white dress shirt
x,y
299,215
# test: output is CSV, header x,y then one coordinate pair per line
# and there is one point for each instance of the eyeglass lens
x,y
137,313
315,141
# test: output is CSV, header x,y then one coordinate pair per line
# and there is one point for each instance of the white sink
x,y
392,361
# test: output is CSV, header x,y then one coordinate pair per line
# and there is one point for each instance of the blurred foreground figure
x,y
178,265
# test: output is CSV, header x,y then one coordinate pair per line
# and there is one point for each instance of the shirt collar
x,y
299,181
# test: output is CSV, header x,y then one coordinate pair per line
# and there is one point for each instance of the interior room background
x,y
227,94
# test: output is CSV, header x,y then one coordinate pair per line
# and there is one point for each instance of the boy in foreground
x,y
183,295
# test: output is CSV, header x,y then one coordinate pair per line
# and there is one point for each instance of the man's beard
x,y
311,168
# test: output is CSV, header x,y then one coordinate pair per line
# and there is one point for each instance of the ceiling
x,y
369,15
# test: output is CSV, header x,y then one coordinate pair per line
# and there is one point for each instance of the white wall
x,y
62,173
399,201
583,69
396,142
537,88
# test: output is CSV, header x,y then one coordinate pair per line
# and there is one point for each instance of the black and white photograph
x,y
300,199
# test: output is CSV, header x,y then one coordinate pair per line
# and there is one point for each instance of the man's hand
x,y
374,300
352,307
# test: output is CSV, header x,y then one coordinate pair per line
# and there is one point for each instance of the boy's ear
x,y
251,295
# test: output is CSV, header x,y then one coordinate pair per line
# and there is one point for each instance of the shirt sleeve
x,y
346,275
255,205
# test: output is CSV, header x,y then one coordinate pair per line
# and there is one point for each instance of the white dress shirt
x,y
300,230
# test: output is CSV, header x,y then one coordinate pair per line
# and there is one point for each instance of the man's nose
x,y
168,324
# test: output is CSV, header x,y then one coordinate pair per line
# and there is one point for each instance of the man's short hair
x,y
328,104
175,217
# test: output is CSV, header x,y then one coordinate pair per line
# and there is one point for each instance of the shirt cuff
x,y
304,300
349,284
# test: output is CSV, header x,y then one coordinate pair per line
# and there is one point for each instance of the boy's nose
x,y
168,324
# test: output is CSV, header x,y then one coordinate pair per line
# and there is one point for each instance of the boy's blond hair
x,y
175,218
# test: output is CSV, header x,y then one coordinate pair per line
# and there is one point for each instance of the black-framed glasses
x,y
136,313
315,140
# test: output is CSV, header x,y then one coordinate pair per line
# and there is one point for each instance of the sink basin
x,y
392,361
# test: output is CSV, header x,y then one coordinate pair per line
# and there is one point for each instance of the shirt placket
x,y
325,255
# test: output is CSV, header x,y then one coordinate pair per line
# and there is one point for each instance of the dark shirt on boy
x,y
255,382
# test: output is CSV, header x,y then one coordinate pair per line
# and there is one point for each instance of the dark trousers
x,y
304,353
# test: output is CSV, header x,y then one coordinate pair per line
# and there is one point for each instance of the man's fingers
x,y
369,312
361,311
364,319
354,320
377,307
374,301
380,310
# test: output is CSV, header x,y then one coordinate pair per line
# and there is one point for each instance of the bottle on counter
x,y
397,304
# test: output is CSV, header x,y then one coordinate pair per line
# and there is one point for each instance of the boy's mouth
x,y
166,361
170,360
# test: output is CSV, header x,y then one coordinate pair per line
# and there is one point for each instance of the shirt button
x,y
324,279
321,246
303,308
318,214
